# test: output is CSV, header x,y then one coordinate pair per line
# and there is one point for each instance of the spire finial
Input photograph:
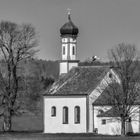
x,y
69,10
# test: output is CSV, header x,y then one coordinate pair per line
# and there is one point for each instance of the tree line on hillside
x,y
34,77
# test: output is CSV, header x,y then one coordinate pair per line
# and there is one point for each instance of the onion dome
x,y
69,28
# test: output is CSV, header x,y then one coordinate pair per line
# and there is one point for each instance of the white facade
x,y
54,124
65,66
106,125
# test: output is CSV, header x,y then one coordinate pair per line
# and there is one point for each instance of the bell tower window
x,y
73,50
64,51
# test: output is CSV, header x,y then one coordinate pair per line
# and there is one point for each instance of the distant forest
x,y
35,76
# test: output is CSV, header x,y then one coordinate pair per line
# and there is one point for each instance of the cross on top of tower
x,y
69,10
69,13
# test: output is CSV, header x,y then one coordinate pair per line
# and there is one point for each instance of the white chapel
x,y
73,103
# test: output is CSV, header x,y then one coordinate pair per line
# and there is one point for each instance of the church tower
x,y
69,33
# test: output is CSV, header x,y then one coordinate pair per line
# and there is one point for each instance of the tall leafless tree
x,y
123,96
17,43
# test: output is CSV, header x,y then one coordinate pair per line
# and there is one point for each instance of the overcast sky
x,y
102,23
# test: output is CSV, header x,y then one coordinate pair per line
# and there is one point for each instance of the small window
x,y
77,114
64,51
100,111
65,115
53,111
73,50
103,122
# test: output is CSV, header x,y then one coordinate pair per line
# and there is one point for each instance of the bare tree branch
x,y
123,96
17,43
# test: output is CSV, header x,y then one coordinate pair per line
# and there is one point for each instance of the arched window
x,y
53,111
77,114
65,115
73,50
64,51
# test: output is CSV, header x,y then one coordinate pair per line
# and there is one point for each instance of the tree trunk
x,y
122,127
7,123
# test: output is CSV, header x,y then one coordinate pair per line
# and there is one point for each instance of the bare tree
x,y
16,44
123,96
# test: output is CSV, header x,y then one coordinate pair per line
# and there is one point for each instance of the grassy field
x,y
26,123
41,136
30,127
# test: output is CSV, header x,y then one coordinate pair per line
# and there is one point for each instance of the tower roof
x,y
69,28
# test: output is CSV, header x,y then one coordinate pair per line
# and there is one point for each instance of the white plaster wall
x,y
90,119
112,126
55,124
67,66
71,65
135,119
63,67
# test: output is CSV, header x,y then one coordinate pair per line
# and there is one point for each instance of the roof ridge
x,y
97,66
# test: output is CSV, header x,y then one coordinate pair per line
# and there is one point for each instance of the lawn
x,y
26,123
41,136
30,127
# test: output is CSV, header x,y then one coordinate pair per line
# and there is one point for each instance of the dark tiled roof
x,y
110,113
112,92
80,80
106,97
